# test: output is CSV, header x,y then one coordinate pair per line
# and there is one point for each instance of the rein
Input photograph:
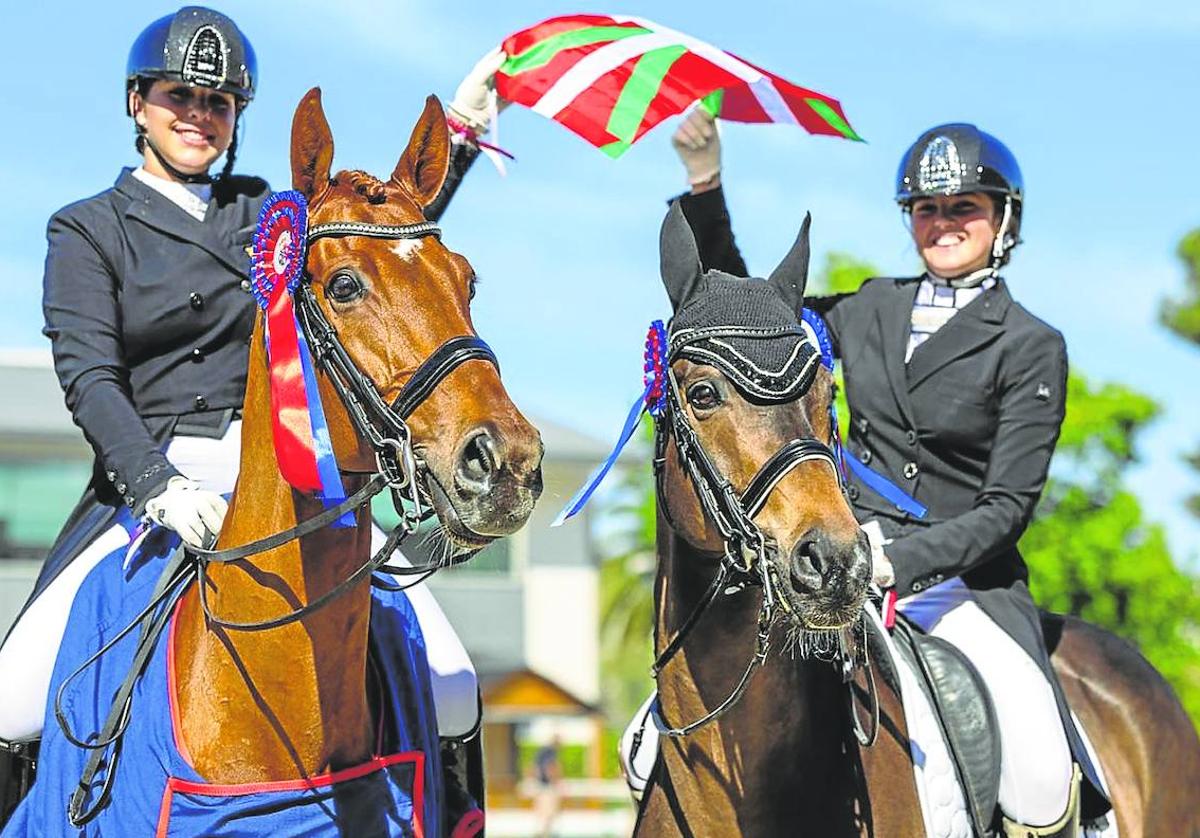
x,y
743,543
398,469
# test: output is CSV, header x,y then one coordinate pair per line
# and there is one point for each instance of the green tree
x,y
1182,316
626,589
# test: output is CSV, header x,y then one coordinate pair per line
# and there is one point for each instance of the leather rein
x,y
398,470
744,561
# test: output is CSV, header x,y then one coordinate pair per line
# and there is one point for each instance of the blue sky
x,y
1096,99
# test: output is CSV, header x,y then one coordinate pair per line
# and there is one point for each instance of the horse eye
x,y
703,396
344,288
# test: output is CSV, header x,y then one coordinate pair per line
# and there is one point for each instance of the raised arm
x,y
468,115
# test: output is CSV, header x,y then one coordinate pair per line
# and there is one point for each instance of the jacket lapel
x,y
156,211
979,323
895,319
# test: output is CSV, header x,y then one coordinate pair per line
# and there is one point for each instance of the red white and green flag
x,y
611,78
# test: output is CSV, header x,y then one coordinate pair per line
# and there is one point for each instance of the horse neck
x,y
775,758
292,699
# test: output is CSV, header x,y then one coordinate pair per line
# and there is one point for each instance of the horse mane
x,y
364,183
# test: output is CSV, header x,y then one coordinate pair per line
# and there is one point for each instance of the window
x,y
35,499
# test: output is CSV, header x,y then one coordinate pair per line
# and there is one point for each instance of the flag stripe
x,y
641,89
835,119
518,42
543,52
588,71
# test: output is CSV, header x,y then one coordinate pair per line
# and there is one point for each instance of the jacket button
x,y
246,285
865,457
910,470
196,300
910,436
917,587
201,403
197,355
862,424
852,492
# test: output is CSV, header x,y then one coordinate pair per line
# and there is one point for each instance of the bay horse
x,y
762,575
275,681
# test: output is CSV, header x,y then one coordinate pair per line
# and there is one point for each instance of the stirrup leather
x,y
1065,827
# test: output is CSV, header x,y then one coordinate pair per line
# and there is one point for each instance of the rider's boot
x,y
462,768
18,764
1066,827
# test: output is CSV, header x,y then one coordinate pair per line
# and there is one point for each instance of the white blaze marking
x,y
406,248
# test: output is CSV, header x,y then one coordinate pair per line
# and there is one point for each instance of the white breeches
x,y
1035,763
27,657
1035,759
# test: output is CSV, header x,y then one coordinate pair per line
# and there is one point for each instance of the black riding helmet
x,y
196,46
955,158
200,48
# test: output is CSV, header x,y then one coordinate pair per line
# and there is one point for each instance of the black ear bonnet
x,y
747,328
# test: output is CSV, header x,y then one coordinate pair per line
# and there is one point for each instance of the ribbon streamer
x,y
303,448
652,400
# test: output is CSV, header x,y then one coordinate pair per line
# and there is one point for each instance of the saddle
x,y
965,714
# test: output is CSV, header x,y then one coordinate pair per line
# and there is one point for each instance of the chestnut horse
x,y
291,702
757,740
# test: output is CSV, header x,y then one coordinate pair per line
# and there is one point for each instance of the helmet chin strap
x,y
1000,246
203,177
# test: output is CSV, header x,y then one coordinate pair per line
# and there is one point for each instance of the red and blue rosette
x,y
303,447
653,399
655,369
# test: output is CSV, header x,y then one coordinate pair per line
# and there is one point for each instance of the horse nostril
x,y
477,463
807,566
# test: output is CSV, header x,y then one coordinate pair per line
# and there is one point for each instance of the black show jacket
x,y
967,427
149,313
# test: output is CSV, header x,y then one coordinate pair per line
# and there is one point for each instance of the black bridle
x,y
384,426
398,469
743,562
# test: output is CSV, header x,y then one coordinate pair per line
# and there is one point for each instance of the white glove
x,y
195,513
882,572
472,101
698,144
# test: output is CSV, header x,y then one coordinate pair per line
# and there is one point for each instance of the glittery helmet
x,y
954,158
196,46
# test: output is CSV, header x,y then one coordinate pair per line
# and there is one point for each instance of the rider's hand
x,y
470,105
698,144
883,573
195,513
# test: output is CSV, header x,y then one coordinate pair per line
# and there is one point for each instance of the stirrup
x,y
1066,827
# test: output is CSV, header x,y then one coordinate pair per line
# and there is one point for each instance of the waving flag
x,y
610,79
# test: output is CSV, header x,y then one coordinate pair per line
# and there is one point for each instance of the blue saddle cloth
x,y
157,792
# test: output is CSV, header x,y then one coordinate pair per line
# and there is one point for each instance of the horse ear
x,y
312,145
679,259
423,165
791,276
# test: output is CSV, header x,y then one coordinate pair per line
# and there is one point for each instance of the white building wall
x,y
562,607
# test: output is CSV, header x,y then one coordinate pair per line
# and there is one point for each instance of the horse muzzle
x,y
829,577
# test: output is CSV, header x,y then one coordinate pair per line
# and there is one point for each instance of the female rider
x,y
148,308
956,397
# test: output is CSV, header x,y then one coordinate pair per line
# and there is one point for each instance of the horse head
x,y
756,400
399,305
